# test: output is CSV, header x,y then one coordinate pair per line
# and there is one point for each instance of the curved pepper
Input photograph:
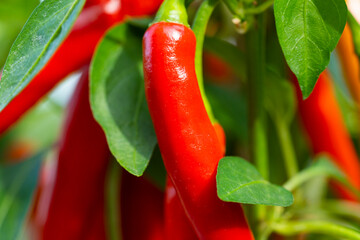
x,y
80,172
321,116
177,224
186,137
75,52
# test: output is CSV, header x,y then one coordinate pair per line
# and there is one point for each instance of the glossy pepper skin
x,y
142,212
186,137
75,52
325,127
177,224
80,172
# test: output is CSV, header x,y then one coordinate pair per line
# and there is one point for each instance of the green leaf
x,y
118,101
308,32
17,185
43,33
239,181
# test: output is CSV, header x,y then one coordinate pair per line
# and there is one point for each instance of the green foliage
x,y
118,101
239,181
17,185
42,34
308,32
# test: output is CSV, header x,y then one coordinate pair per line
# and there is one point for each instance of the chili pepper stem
x,y
255,56
287,147
322,227
113,201
172,11
199,28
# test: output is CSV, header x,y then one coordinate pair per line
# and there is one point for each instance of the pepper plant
x,y
180,119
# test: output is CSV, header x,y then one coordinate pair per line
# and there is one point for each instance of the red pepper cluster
x,y
70,200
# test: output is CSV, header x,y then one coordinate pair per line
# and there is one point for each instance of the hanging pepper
x,y
75,52
321,117
186,137
142,209
79,174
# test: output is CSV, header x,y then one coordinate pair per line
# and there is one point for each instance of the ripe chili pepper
x,y
80,172
186,137
136,8
142,209
350,64
177,224
75,52
321,116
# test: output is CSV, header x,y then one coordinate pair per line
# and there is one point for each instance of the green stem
x,y
343,208
320,227
113,201
260,9
199,27
172,11
287,147
255,57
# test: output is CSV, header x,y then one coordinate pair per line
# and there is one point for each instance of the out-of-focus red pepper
x,y
75,52
80,173
142,209
136,8
321,116
216,69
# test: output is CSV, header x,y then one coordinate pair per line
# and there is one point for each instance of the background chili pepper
x,y
187,140
80,172
350,64
75,52
142,209
135,8
321,116
216,69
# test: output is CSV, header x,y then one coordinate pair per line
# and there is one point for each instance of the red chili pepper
x,y
136,8
321,116
186,137
75,52
142,209
80,172
177,224
216,69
